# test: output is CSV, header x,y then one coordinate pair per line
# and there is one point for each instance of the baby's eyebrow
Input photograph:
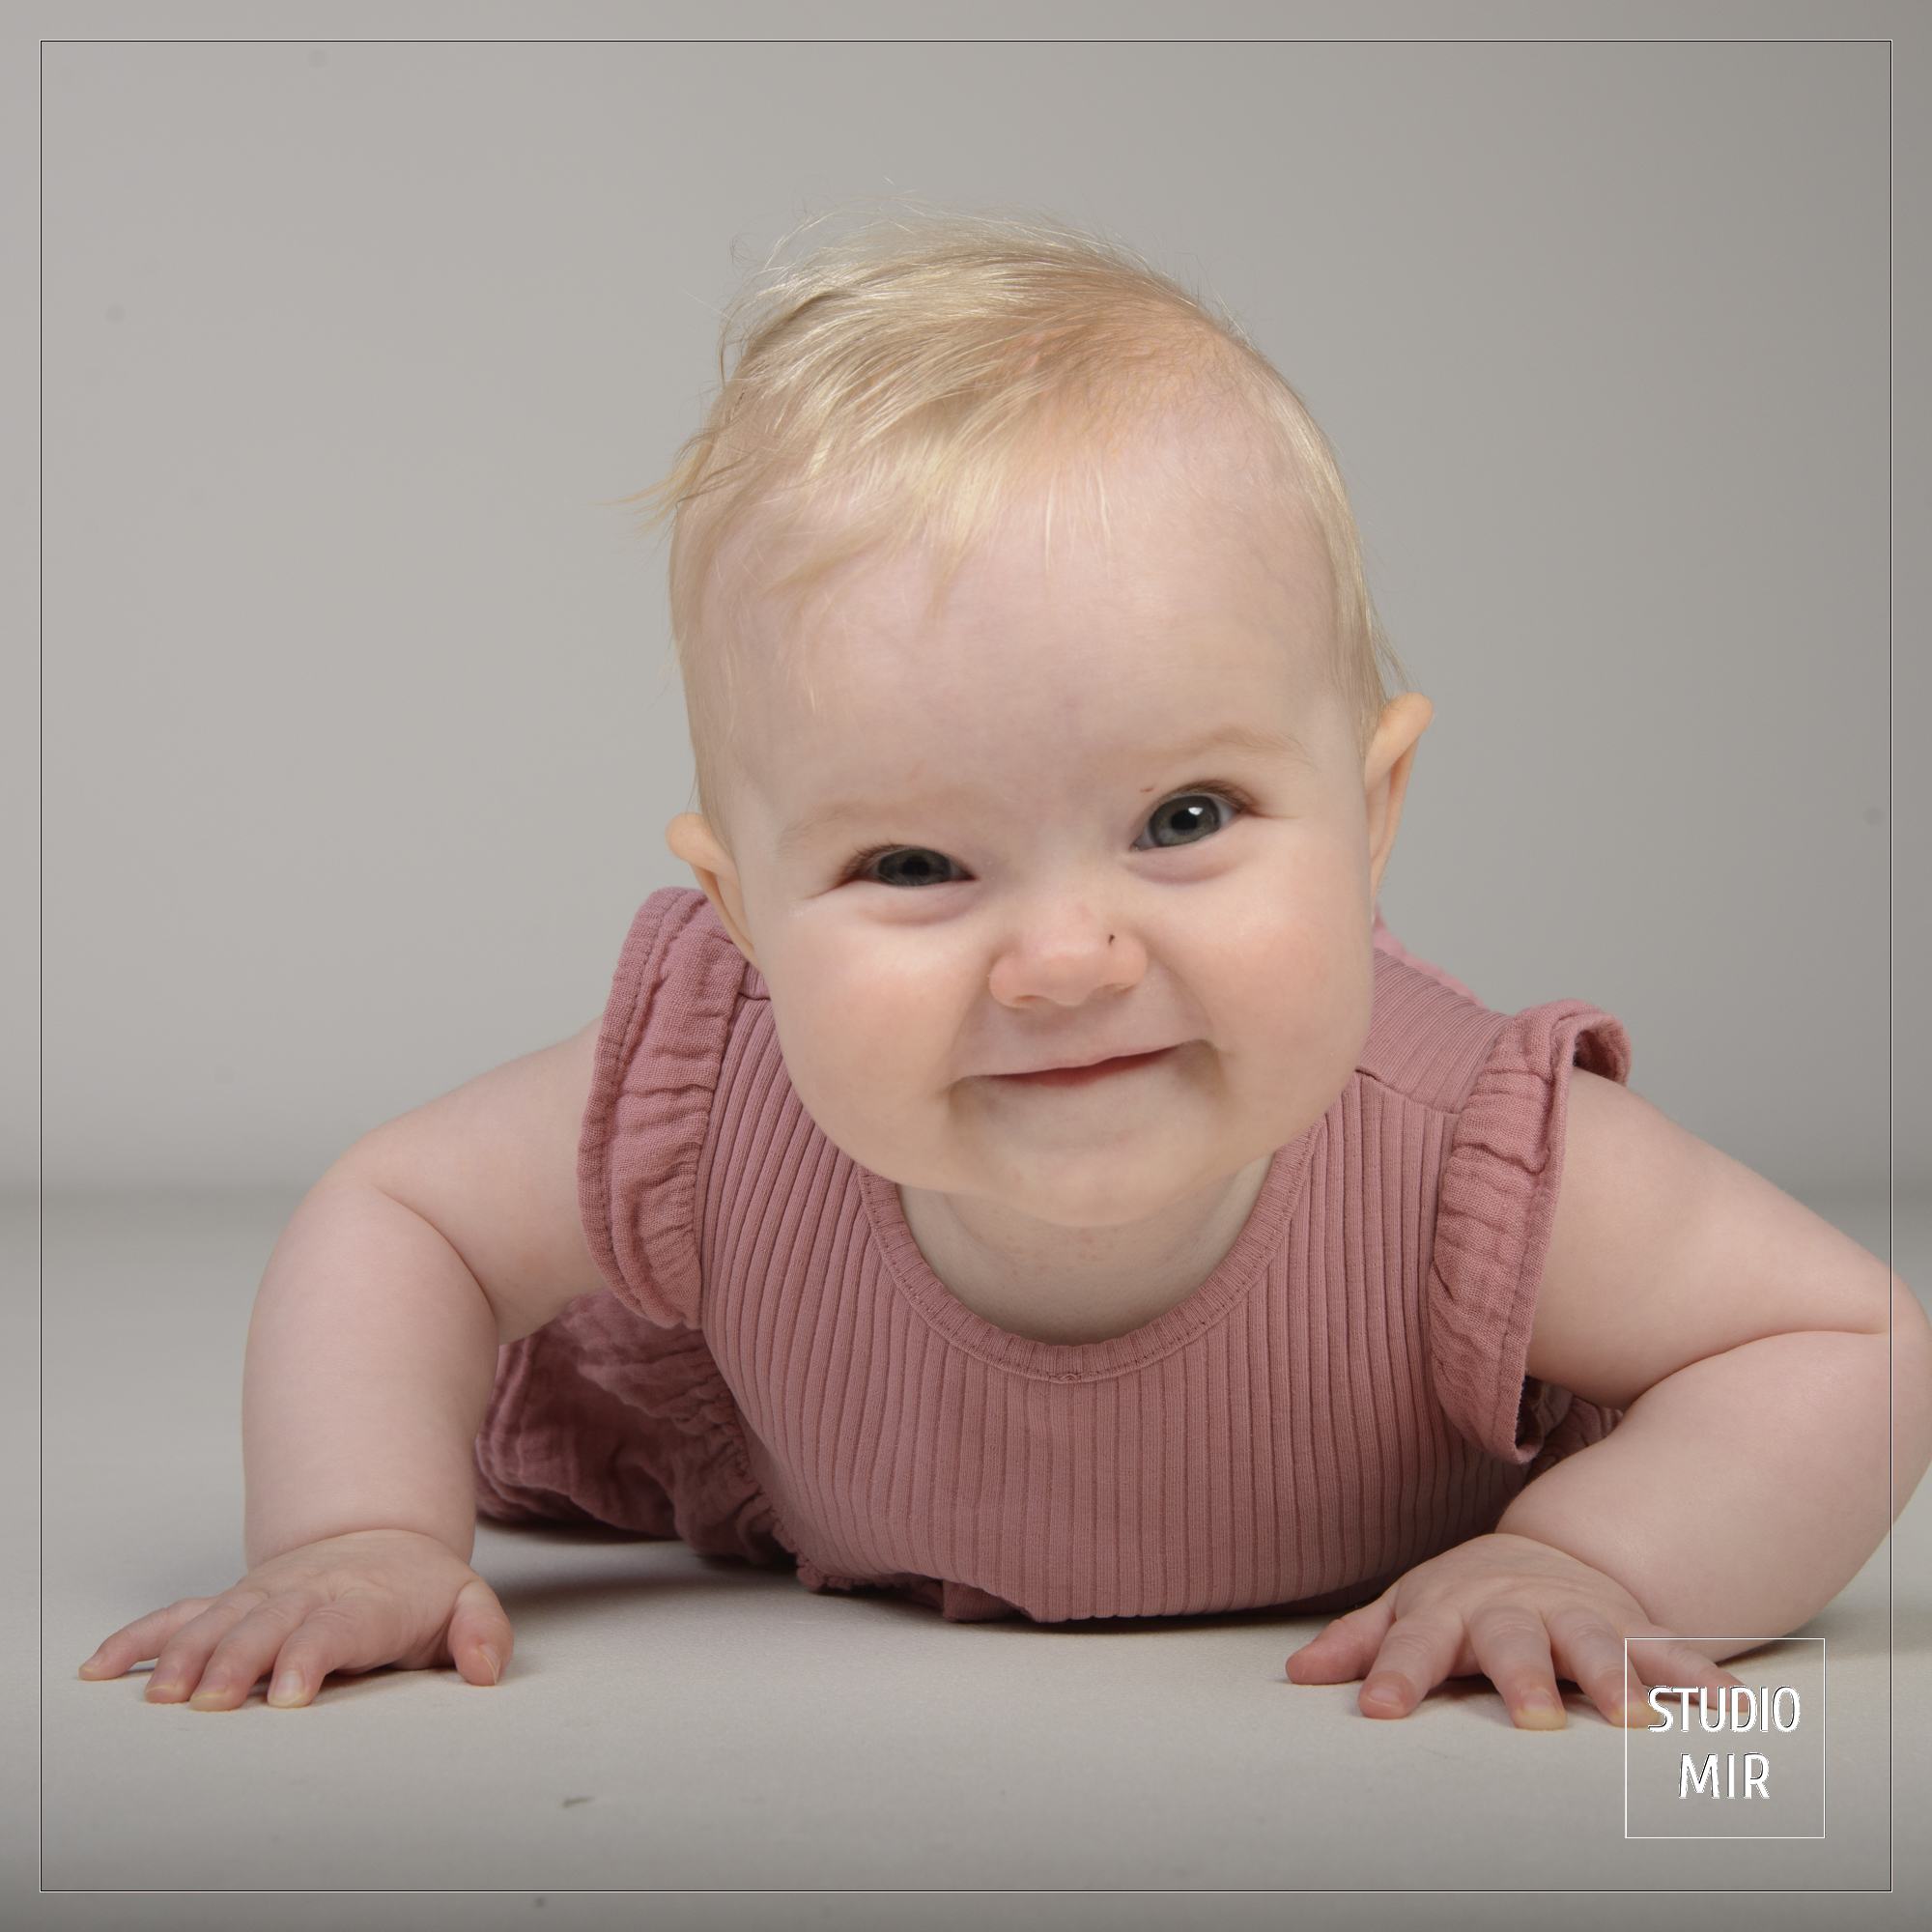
x,y
845,811
1261,743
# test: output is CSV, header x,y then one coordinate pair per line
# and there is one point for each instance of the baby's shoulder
x,y
1433,1042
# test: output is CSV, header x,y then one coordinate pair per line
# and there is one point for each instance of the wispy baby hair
x,y
901,384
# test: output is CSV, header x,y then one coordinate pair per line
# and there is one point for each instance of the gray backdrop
x,y
359,730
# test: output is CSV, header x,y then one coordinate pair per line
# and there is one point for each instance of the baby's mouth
x,y
1088,1075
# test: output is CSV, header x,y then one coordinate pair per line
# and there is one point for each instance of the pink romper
x,y
777,1376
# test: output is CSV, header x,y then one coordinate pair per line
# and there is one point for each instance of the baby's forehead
x,y
1052,614
1094,486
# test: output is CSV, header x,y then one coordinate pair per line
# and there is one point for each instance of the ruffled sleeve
x,y
1493,1212
677,990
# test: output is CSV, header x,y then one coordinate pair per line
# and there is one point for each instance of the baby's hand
x,y
348,1603
1516,1612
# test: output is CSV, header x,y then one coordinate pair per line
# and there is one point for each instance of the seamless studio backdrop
x,y
362,730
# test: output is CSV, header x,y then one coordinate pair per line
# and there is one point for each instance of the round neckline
x,y
1224,1288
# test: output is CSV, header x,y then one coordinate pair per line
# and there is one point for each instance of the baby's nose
x,y
1064,954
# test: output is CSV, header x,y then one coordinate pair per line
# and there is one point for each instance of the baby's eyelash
x,y
861,863
1229,794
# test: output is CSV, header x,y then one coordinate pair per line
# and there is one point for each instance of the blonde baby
x,y
1025,1175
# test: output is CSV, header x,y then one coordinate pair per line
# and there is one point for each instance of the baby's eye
x,y
910,866
1186,821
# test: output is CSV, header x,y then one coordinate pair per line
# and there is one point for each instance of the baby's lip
x,y
1081,1073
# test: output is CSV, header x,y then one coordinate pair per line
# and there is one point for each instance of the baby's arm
x,y
1761,1356
370,1357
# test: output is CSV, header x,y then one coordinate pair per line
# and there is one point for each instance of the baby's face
x,y
1062,890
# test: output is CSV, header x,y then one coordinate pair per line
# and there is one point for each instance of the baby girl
x,y
1027,1176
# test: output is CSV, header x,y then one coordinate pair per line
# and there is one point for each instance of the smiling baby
x,y
1026,1176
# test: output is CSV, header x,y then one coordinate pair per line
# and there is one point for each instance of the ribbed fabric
x,y
779,1371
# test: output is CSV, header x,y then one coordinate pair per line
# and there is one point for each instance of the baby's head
x,y
908,389
1038,700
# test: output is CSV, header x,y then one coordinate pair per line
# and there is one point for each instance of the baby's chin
x,y
1107,1155
1104,1191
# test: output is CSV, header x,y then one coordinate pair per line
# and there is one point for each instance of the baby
x,y
1028,1178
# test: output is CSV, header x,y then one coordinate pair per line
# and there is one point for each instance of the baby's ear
x,y
1385,770
691,839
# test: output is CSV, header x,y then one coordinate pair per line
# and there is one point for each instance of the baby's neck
x,y
1055,1284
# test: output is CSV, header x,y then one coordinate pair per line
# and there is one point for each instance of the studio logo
x,y
1748,1762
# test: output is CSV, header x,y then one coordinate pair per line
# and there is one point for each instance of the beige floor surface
x,y
688,1744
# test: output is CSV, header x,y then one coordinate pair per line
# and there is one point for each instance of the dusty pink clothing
x,y
776,1369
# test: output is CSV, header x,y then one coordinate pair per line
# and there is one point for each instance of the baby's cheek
x,y
1308,1006
854,1048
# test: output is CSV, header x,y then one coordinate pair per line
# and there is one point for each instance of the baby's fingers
x,y
359,1633
1660,1659
1345,1649
1418,1653
143,1639
179,1662
479,1634
219,1657
1512,1648
351,1633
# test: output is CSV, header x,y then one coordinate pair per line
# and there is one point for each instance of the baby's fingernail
x,y
1541,1712
495,1663
206,1699
286,1689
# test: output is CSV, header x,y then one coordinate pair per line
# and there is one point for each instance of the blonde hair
x,y
911,376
